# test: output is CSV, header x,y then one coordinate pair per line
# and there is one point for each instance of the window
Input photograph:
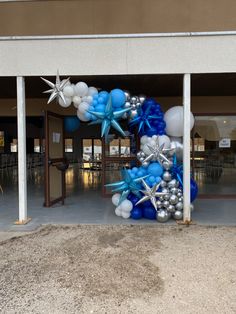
x,y
68,145
14,146
36,145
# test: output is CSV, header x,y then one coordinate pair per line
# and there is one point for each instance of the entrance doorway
x,y
214,155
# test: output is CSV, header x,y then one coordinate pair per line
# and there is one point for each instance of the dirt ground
x,y
119,269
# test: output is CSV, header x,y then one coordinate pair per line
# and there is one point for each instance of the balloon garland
x,y
154,190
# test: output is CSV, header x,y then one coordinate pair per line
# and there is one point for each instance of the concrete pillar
x,y
186,146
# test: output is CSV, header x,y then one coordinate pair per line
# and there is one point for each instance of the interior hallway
x,y
84,203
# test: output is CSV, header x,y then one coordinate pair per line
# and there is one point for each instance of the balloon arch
x,y
154,190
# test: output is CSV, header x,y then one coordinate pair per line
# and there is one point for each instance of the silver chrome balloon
x,y
167,197
127,95
133,114
163,183
159,204
142,98
127,104
133,100
172,183
179,206
181,199
174,191
162,216
167,165
179,194
171,208
166,176
178,215
166,204
145,164
165,190
173,199
161,198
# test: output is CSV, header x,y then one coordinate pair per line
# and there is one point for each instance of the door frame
x,y
49,162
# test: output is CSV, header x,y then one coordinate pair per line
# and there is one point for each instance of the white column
x,y
186,146
21,137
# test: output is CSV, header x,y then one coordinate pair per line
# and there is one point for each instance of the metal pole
x,y
21,131
186,146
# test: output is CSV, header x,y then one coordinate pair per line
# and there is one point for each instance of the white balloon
x,y
118,211
146,150
125,215
126,206
81,116
174,118
68,91
89,99
92,91
65,105
76,101
164,139
83,107
82,89
144,139
115,199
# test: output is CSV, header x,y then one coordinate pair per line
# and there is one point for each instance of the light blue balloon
x,y
95,97
152,179
158,179
101,100
134,169
94,103
132,175
93,118
87,115
155,169
100,108
118,98
104,95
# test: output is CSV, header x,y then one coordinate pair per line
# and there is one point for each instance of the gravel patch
x,y
119,269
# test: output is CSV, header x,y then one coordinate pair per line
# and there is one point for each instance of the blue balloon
x,y
94,103
95,97
104,95
149,212
151,131
101,100
136,213
88,116
71,124
117,98
155,169
100,108
132,198
194,189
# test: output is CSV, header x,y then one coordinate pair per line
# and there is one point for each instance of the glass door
x,y
214,155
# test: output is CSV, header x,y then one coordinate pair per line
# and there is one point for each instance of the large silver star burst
x,y
158,153
151,194
56,90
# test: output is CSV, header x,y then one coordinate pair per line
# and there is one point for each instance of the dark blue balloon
x,y
194,189
133,198
71,124
149,212
136,213
151,131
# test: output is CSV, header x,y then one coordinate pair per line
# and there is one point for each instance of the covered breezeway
x,y
168,79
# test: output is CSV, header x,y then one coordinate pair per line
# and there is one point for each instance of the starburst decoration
x,y
143,119
151,194
158,152
127,185
108,119
56,90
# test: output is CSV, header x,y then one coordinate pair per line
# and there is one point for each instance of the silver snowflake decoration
x,y
151,194
158,153
56,90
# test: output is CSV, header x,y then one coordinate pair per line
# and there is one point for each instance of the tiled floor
x,y
84,204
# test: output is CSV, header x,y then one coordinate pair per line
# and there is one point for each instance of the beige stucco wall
x,y
35,107
115,16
